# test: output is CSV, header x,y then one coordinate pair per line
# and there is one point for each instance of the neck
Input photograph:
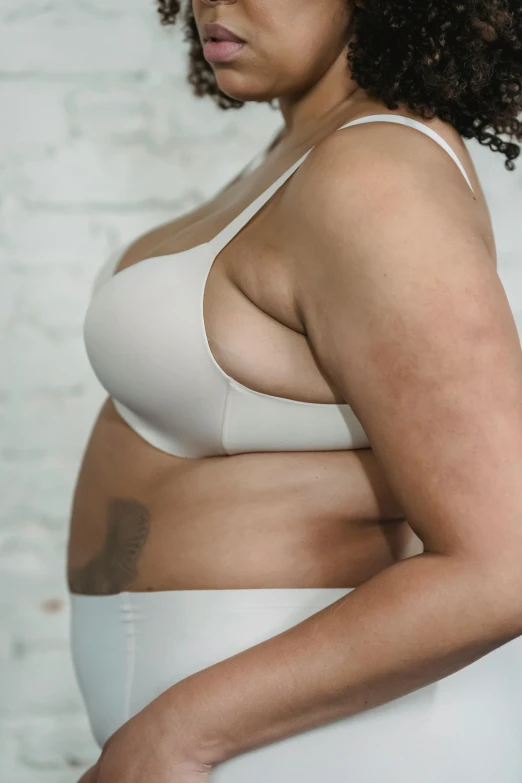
x,y
324,103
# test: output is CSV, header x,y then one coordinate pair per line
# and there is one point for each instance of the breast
x,y
144,337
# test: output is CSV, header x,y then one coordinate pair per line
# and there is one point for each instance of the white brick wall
x,y
100,139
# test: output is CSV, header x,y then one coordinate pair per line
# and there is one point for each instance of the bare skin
x,y
146,520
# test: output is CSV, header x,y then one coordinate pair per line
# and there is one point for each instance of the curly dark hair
x,y
459,61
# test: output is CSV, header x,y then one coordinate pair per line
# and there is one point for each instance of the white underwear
x,y
465,728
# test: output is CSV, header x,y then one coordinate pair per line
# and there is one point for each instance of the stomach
x,y
143,520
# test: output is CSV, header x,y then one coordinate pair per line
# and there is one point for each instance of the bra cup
x,y
143,338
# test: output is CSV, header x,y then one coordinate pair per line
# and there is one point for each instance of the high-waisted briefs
x,y
129,648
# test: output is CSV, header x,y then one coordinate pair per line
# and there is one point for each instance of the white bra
x,y
145,338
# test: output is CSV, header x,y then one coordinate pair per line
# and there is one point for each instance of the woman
x,y
296,534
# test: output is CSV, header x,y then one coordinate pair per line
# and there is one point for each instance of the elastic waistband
x,y
188,599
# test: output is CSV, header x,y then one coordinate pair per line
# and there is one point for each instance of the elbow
x,y
498,586
488,586
509,579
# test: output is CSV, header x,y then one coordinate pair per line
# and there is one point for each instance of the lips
x,y
220,45
217,32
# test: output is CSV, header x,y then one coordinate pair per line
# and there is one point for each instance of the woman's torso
x,y
143,519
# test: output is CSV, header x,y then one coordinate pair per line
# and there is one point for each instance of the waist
x,y
285,520
231,548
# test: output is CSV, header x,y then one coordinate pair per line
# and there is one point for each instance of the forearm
x,y
410,625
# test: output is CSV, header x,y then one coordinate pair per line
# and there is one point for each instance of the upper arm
x,y
404,310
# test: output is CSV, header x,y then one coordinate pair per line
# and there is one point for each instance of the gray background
x,y
100,139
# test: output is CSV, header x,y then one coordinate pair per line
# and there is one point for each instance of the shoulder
x,y
379,165
367,198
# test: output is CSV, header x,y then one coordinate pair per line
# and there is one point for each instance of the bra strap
x,y
401,120
229,232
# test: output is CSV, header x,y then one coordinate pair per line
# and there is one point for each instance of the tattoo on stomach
x,y
115,566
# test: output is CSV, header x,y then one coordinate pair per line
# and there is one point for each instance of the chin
x,y
241,89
